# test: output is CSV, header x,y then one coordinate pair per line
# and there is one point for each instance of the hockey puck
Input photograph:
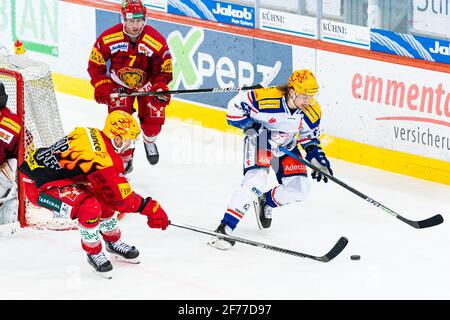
x,y
355,257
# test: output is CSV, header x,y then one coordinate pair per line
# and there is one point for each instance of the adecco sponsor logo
x,y
431,101
230,12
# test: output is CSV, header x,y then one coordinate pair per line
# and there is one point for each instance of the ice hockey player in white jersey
x,y
284,116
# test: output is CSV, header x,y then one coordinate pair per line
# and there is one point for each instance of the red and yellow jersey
x,y
9,134
132,64
84,156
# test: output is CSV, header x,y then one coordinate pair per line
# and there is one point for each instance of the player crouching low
x,y
82,177
271,118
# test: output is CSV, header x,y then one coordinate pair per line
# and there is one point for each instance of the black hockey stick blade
x,y
338,247
430,222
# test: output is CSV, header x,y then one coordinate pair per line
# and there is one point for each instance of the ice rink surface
x,y
197,173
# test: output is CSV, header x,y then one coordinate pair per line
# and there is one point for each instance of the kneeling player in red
x,y
285,116
82,177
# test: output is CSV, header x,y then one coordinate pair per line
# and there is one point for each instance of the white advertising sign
x,y
432,17
386,105
58,33
346,34
160,5
288,23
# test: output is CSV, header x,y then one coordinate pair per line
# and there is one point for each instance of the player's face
x,y
123,145
134,26
301,101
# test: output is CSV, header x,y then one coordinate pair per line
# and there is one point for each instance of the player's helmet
x,y
122,124
303,82
133,9
3,96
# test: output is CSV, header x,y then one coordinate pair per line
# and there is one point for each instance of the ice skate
x,y
101,264
222,243
263,213
151,151
121,251
128,167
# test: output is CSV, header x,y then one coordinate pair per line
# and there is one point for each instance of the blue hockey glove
x,y
316,156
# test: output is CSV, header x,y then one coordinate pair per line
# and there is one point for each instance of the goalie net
x,y
31,95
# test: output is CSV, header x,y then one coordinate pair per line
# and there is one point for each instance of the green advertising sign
x,y
35,23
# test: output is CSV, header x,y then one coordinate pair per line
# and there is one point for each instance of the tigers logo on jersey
x,y
132,77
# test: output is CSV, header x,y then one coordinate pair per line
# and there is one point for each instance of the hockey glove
x,y
316,156
253,129
157,217
160,100
103,90
119,102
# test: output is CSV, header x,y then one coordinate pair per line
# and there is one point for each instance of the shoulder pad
x,y
152,42
313,111
11,123
117,36
267,93
268,98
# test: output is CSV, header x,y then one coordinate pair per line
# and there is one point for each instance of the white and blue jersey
x,y
269,108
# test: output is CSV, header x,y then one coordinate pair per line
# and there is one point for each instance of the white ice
x,y
197,173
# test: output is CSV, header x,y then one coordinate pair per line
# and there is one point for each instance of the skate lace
x,y
121,246
151,148
268,212
99,258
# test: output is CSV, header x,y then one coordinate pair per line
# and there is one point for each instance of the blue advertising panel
x,y
210,59
217,11
407,45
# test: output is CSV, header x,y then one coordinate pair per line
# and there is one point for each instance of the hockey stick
x,y
154,93
430,222
337,248
267,78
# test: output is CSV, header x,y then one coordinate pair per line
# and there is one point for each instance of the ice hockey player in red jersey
x,y
82,177
9,143
283,116
140,60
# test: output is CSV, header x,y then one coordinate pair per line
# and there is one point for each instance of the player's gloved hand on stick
x,y
157,217
160,100
102,92
253,129
116,101
316,156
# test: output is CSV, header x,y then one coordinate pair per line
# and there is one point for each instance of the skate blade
x,y
256,207
120,258
219,244
106,275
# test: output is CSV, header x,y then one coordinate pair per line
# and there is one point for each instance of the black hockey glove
x,y
316,156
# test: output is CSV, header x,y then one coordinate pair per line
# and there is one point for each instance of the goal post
x,y
31,96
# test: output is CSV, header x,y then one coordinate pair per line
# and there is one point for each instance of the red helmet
x,y
133,9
